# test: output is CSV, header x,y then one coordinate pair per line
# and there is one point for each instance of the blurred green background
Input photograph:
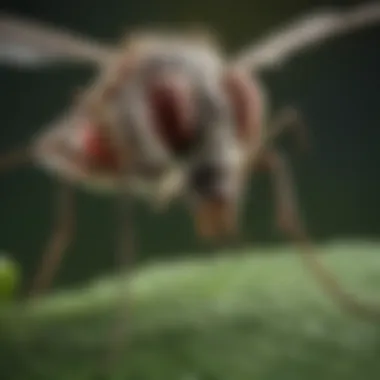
x,y
336,87
247,315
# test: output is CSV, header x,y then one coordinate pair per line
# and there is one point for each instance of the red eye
x,y
172,110
97,149
246,104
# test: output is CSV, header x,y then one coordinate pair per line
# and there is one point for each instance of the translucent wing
x,y
27,43
307,32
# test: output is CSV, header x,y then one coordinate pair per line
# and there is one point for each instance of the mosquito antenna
x,y
59,240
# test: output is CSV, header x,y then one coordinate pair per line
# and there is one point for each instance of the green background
x,y
336,87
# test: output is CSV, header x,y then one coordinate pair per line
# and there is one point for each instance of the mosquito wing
x,y
307,32
27,43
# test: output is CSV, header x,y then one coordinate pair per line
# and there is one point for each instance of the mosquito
x,y
233,144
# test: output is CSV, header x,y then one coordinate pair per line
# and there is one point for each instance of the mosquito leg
x,y
289,118
125,253
59,241
124,260
289,222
